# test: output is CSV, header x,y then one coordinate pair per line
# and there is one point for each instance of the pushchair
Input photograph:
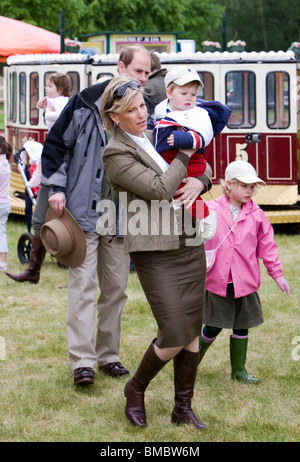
x,y
34,150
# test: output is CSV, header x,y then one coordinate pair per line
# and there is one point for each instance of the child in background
x,y
5,153
57,88
31,163
232,301
183,123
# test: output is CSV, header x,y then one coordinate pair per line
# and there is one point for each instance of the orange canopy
x,y
18,38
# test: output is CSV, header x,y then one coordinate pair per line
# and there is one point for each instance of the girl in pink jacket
x,y
244,234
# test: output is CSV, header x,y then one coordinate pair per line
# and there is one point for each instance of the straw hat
x,y
63,238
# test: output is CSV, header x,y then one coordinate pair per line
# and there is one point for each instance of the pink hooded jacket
x,y
252,238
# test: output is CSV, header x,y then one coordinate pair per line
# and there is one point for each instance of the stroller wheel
x,y
24,247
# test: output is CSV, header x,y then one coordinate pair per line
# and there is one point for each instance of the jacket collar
x,y
120,135
250,207
92,94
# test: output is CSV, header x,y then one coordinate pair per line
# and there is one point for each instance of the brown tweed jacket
x,y
146,193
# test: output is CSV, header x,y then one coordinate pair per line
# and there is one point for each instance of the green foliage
x,y
192,18
263,24
46,15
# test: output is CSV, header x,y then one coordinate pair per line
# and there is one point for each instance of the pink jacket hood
x,y
251,238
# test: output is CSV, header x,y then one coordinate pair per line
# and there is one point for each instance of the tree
x,y
45,15
263,24
191,18
201,18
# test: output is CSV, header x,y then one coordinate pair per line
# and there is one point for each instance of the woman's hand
x,y
57,202
188,152
189,192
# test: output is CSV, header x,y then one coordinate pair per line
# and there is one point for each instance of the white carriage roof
x,y
213,57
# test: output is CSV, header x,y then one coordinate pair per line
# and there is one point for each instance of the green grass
x,y
39,402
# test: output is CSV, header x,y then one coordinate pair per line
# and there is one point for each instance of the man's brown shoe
x,y
114,369
84,376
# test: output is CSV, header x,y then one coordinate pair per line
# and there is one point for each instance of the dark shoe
x,y
114,369
185,370
84,376
37,256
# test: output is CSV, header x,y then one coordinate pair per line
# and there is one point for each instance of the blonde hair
x,y
112,105
225,190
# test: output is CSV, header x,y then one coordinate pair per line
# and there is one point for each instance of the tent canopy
x,y
18,38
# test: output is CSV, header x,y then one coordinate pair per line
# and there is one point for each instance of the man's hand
x,y
57,202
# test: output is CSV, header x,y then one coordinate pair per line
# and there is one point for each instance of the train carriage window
x,y
34,97
240,97
278,100
75,86
13,97
206,92
102,76
22,98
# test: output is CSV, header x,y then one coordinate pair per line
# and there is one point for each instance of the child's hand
x,y
42,103
283,285
170,140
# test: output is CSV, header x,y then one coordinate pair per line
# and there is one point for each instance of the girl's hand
x,y
283,285
42,103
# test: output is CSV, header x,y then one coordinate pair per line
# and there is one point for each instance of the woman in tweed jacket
x,y
170,262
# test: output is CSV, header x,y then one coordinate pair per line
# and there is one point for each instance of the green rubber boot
x,y
238,354
203,346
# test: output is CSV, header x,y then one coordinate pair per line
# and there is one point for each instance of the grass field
x,y
39,402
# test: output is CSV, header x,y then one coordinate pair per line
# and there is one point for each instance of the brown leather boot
x,y
185,371
37,255
135,388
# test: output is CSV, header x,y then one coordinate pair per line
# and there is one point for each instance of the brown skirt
x,y
173,282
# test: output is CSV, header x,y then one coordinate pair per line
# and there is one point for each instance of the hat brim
x,y
78,254
187,79
250,180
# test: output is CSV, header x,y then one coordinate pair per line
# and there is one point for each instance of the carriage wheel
x,y
24,247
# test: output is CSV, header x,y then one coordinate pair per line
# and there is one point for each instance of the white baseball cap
x,y
181,75
242,171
